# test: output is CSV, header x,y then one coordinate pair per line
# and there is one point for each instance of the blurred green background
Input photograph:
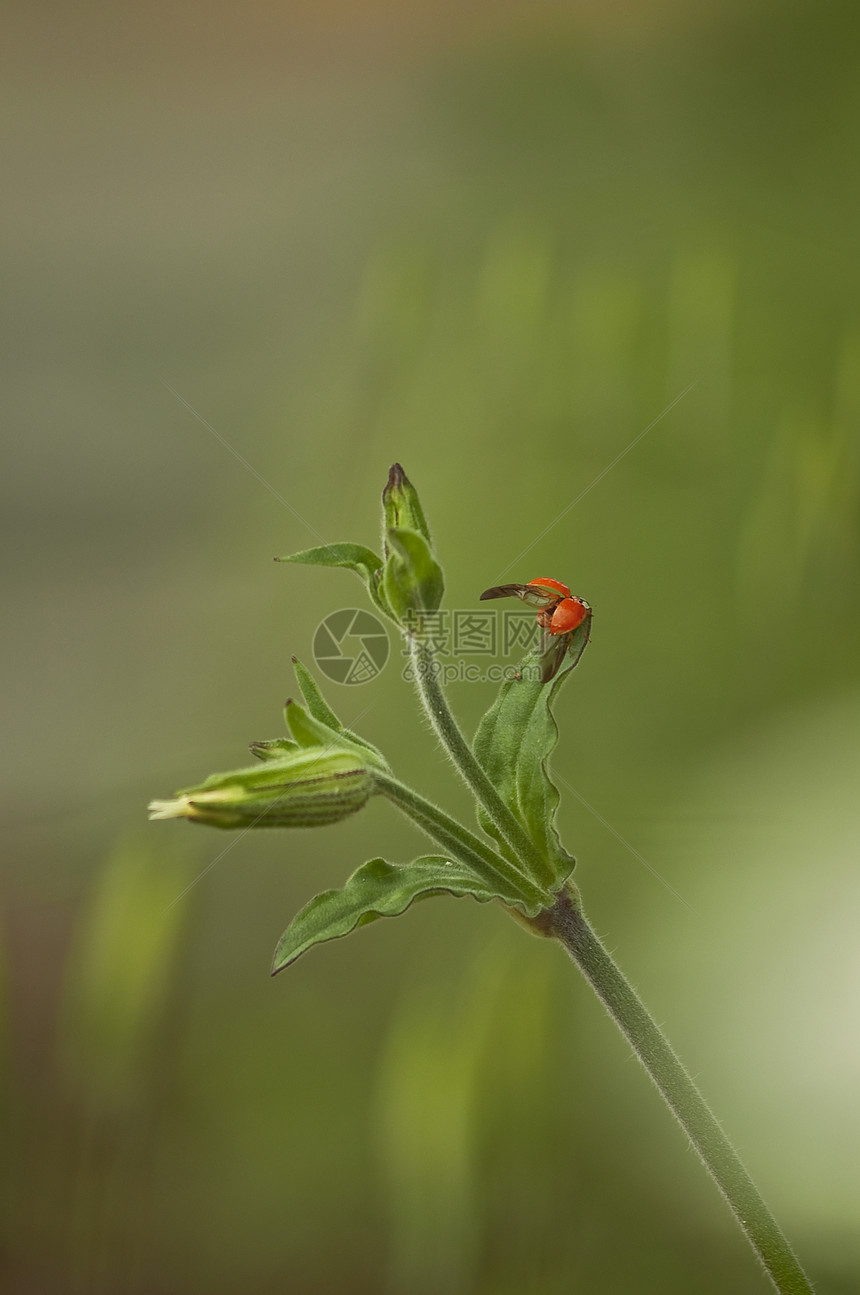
x,y
493,242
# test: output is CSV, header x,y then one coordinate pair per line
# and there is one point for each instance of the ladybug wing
x,y
580,638
529,594
554,649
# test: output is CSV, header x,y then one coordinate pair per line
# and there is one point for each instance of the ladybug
x,y
560,615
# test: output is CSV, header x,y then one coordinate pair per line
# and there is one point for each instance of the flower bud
x,y
411,580
401,507
309,788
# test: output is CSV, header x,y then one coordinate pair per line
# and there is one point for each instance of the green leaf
x,y
513,744
353,557
320,709
309,731
316,703
376,889
273,748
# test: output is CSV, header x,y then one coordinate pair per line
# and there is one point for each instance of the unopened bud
x,y
401,507
310,788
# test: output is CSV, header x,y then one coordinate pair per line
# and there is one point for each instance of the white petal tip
x,y
168,808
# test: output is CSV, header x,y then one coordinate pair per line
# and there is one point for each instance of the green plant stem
x,y
566,922
435,703
460,842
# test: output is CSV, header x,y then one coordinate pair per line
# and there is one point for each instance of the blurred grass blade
x,y
466,1072
120,969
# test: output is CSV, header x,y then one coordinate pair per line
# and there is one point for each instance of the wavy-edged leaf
x,y
376,889
513,743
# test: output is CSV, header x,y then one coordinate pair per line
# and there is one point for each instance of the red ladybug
x,y
560,615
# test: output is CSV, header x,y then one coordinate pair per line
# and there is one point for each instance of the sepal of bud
x,y
320,710
412,579
311,734
274,748
307,788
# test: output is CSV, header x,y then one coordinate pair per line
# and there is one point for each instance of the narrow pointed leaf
x,y
306,729
513,743
311,732
316,703
273,748
320,709
353,557
377,889
364,562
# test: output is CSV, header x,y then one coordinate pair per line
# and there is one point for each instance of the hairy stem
x,y
460,842
566,922
435,703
